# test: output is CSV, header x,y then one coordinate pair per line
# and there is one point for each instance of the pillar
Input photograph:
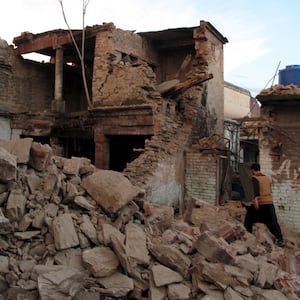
x,y
58,104
101,149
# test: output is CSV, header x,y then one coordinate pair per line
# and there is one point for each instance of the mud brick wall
x,y
25,86
211,52
121,68
201,176
279,158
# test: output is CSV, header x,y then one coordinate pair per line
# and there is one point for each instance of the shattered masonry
x,y
69,230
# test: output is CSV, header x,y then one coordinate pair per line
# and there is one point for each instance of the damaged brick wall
x,y
205,168
210,54
127,69
279,156
121,74
123,85
201,176
24,85
159,169
195,117
279,141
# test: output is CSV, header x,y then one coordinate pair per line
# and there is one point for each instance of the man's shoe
x,y
280,243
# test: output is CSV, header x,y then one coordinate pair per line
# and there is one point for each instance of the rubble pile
x,y
279,89
71,231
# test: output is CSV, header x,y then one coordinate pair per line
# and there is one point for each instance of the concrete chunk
x,y
136,249
72,165
20,148
25,222
160,216
65,235
164,276
179,291
270,294
214,272
50,185
110,189
83,202
33,181
88,229
39,218
214,249
157,293
107,231
116,285
40,156
231,294
101,261
63,283
247,262
71,257
16,204
267,274
27,235
4,262
171,257
8,166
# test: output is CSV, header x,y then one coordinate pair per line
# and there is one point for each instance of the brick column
x,y
58,104
101,149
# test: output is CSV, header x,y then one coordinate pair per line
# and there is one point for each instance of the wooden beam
x,y
182,86
40,42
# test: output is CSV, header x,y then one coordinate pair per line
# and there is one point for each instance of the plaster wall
x,y
215,86
236,102
166,182
5,130
135,45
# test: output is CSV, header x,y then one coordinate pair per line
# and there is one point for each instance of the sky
x,y
263,36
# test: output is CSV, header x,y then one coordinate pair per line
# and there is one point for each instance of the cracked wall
x,y
279,142
25,85
127,70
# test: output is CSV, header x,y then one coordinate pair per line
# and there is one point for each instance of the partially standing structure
x,y
279,141
153,95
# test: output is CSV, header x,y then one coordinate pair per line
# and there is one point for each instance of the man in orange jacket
x,y
262,209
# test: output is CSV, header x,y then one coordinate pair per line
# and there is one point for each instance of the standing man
x,y
262,209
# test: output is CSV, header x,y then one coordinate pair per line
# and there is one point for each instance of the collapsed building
x,y
71,231
154,111
152,104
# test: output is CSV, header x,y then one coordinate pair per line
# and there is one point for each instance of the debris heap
x,y
279,89
71,231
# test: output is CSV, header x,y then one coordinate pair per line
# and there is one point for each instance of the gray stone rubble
x,y
71,231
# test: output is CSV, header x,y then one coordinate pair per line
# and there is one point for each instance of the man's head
x,y
255,168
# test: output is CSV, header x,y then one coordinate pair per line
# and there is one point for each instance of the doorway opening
x,y
124,149
75,142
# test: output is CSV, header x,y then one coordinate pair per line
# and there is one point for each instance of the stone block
x,y
136,244
8,166
16,205
100,261
20,148
214,249
110,189
164,276
40,156
65,235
